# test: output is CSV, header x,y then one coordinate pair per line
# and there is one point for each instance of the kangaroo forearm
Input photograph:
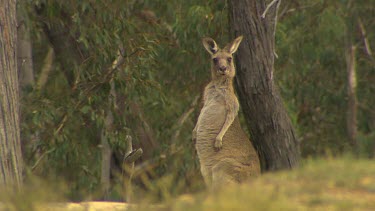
x,y
194,135
228,122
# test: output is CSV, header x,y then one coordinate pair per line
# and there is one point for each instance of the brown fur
x,y
225,153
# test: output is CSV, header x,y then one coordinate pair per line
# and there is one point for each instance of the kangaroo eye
x,y
229,59
215,60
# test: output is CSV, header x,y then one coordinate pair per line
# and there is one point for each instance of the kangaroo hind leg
x,y
224,174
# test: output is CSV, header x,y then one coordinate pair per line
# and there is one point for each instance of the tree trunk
x,y
24,50
68,52
106,153
351,120
107,134
10,147
271,130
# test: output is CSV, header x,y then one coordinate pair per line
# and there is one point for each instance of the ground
x,y
324,184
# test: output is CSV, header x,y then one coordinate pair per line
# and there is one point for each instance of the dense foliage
x,y
312,73
152,94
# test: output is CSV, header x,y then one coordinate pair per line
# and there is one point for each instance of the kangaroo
x,y
225,153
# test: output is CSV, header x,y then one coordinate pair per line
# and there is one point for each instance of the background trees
x,y
153,93
313,37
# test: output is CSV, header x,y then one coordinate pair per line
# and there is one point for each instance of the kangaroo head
x,y
222,59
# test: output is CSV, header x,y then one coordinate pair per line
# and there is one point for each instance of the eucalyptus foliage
x,y
165,68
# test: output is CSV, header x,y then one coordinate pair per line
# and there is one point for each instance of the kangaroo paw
x,y
218,143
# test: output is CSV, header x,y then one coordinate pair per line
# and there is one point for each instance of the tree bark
x,y
271,130
10,146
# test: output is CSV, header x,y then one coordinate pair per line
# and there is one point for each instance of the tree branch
x,y
152,163
364,37
182,120
108,75
271,18
41,158
46,69
131,155
269,7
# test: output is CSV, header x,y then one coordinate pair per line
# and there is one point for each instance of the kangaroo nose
x,y
222,68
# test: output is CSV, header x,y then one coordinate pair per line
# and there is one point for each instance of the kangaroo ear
x,y
233,46
210,45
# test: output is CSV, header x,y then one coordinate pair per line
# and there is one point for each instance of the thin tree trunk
x,y
108,129
24,50
106,153
271,130
351,120
106,148
10,146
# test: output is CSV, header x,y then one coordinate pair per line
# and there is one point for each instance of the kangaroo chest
x,y
213,113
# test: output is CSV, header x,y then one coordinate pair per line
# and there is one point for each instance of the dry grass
x,y
325,184
344,184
